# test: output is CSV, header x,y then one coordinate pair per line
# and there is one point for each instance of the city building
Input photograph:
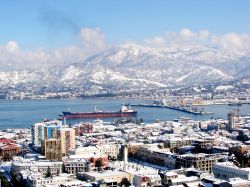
x,y
67,139
154,155
146,180
199,161
37,131
8,148
74,164
37,180
20,164
133,147
227,170
173,143
51,131
57,141
109,177
203,143
52,149
84,128
92,154
111,150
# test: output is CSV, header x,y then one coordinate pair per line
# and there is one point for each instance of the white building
x,y
227,170
37,180
74,164
37,131
147,180
110,150
21,164
85,151
111,178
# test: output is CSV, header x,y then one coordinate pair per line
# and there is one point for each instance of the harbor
x,y
28,111
189,109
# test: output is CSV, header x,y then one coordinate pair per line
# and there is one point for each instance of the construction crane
x,y
237,110
238,113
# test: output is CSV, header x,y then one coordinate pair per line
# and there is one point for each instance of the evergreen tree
x,y
125,182
4,181
48,174
99,164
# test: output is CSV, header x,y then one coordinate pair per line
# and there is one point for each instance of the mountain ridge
x,y
132,66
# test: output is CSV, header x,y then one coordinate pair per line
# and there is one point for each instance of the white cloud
x,y
12,57
92,39
156,41
12,46
186,33
204,34
233,42
186,38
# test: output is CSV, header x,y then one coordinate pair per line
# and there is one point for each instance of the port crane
x,y
236,110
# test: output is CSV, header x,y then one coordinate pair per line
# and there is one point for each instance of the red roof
x,y
6,141
9,146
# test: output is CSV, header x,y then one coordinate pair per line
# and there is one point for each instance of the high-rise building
x,y
51,131
37,131
52,149
67,137
55,140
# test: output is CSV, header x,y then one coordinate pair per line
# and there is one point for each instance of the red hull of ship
x,y
98,115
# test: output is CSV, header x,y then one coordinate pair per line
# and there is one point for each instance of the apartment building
x,y
227,170
199,161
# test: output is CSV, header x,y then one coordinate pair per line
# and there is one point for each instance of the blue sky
x,y
52,24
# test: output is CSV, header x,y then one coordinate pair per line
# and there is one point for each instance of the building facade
x,y
199,161
227,170
75,165
20,164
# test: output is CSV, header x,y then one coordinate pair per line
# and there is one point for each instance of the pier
x,y
178,108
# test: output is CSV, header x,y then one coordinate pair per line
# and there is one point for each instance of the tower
x,y
125,157
231,121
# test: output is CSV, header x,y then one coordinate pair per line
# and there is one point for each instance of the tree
x,y
125,182
16,179
241,154
99,164
48,174
4,181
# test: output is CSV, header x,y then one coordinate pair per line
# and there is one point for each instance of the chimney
x,y
125,157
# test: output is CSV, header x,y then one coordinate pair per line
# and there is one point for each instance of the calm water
x,y
23,113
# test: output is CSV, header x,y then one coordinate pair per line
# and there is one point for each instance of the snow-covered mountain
x,y
132,66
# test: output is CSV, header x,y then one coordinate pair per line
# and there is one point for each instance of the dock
x,y
178,108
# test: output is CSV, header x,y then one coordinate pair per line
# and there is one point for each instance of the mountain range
x,y
132,66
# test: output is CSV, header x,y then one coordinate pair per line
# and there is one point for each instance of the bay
x,y
24,113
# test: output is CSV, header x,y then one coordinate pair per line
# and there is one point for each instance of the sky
x,y
32,29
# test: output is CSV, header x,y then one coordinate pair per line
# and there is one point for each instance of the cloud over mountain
x,y
92,41
13,57
133,66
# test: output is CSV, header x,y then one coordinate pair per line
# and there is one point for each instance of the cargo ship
x,y
124,112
